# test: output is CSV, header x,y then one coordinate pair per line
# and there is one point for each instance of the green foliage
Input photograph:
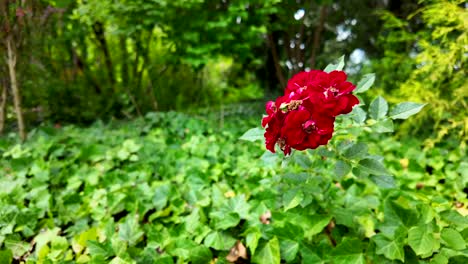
x,y
170,188
431,63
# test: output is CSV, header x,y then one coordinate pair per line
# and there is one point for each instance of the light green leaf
x,y
390,248
252,239
219,241
405,110
349,251
253,134
97,249
288,249
453,239
269,253
292,198
318,223
338,66
365,83
378,108
130,230
421,239
383,126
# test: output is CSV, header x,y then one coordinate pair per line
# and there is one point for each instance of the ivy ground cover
x,y
170,188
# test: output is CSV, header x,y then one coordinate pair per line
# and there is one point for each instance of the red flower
x,y
304,116
303,129
333,92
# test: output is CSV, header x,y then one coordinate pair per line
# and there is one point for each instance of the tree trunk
x,y
317,35
99,31
11,61
3,99
276,61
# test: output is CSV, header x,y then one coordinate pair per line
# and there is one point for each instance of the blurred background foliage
x,y
83,60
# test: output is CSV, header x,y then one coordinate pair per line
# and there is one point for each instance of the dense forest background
x,y
77,61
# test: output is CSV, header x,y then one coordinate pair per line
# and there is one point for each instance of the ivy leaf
x,y
97,249
421,239
390,248
219,241
200,254
453,239
6,256
349,251
130,231
269,253
252,238
288,249
253,134
405,110
378,108
365,83
338,66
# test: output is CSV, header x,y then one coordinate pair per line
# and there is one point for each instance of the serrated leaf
x,y
378,108
338,66
358,115
269,253
421,239
453,239
390,248
356,151
383,126
384,182
253,134
365,83
405,110
373,166
342,168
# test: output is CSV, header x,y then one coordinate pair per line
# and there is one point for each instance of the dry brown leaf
x,y
236,252
266,217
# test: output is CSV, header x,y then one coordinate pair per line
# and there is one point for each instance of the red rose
x,y
303,118
303,129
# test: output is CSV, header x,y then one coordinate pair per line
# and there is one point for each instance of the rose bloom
x,y
303,118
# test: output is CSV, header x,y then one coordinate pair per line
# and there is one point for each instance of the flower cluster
x,y
304,117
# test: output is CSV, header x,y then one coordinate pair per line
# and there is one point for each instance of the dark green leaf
x,y
373,166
